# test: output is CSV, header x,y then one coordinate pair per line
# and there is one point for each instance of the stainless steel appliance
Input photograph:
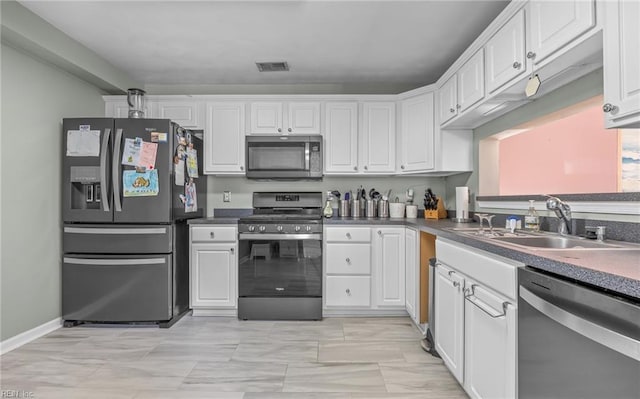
x,y
284,157
574,341
280,257
125,237
429,341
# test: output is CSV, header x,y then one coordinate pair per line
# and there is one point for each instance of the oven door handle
x,y
611,339
283,237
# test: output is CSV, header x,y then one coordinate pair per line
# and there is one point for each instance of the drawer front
x,y
348,234
213,234
348,259
348,291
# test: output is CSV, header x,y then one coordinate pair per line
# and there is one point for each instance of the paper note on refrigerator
x,y
148,153
136,184
179,172
191,200
131,151
83,143
192,162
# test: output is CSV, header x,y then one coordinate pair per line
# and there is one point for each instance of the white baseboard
x,y
215,312
364,312
17,341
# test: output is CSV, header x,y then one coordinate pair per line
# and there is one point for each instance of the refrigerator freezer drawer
x,y
117,288
117,239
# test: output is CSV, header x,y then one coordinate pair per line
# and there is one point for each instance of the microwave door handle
x,y
103,168
115,171
306,156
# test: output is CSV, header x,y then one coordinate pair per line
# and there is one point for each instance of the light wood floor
x,y
206,357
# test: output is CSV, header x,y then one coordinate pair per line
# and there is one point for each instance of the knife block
x,y
439,213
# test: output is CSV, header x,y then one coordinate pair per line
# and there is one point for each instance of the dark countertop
x,y
617,271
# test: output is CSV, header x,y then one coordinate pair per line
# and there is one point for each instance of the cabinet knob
x,y
212,234
232,250
531,55
608,107
242,168
452,110
456,284
379,233
348,291
401,166
348,260
458,106
516,65
289,130
349,235
366,168
355,168
279,130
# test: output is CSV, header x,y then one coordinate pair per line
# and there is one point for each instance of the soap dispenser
x,y
531,220
328,208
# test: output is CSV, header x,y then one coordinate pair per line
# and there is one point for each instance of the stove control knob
x,y
298,228
262,228
279,228
252,228
308,228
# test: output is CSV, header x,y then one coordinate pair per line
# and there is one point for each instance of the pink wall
x,y
572,155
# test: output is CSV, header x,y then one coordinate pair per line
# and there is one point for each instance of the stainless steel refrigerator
x,y
129,186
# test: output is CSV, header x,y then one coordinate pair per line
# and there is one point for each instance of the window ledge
x,y
609,203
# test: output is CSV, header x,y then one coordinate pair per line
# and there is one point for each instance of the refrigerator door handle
x,y
123,231
115,262
103,167
115,171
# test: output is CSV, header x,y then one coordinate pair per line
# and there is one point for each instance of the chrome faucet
x,y
563,212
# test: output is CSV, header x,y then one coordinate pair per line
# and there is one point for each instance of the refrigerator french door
x,y
114,240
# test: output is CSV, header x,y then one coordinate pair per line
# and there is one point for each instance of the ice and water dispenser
x,y
86,192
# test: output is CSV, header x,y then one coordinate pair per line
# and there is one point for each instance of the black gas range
x,y
280,257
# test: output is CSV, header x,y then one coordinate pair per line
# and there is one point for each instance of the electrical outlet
x,y
226,196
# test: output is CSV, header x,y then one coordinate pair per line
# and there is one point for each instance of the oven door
x,y
277,157
280,265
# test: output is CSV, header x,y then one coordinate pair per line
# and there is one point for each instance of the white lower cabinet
x,y
412,274
213,270
348,291
449,319
476,319
389,262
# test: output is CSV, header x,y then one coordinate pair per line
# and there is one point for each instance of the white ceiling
x,y
324,42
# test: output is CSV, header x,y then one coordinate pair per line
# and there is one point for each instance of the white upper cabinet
x,y
341,137
554,24
184,113
417,138
471,82
377,152
447,99
505,53
120,109
622,64
224,138
302,118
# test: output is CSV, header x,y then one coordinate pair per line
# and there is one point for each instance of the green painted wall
x,y
35,98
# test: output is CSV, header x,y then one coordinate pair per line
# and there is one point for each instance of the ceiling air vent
x,y
272,66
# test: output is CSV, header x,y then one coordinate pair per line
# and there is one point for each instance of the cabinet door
x,y
622,63
304,118
341,137
213,275
412,273
505,58
184,113
120,109
266,117
417,134
449,319
224,138
389,267
447,101
378,138
490,344
554,24
471,82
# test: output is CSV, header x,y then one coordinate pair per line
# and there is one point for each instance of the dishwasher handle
x,y
611,339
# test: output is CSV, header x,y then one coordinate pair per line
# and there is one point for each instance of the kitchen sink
x,y
555,242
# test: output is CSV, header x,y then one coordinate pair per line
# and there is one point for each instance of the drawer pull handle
x,y
348,261
456,284
349,235
212,234
348,291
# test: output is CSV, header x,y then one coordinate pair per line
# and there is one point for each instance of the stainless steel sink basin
x,y
555,242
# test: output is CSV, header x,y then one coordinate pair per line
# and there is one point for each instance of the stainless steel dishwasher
x,y
575,341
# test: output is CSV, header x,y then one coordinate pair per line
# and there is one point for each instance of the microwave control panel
x,y
315,160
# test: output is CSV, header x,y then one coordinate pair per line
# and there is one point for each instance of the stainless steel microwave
x,y
284,157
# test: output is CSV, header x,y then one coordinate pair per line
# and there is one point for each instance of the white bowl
x,y
396,210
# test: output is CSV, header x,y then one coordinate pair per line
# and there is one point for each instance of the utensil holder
x,y
344,209
355,209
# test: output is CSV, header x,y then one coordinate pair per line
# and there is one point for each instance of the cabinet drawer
x,y
348,234
348,291
213,234
348,258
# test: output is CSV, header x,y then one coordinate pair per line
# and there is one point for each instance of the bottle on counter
x,y
531,219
